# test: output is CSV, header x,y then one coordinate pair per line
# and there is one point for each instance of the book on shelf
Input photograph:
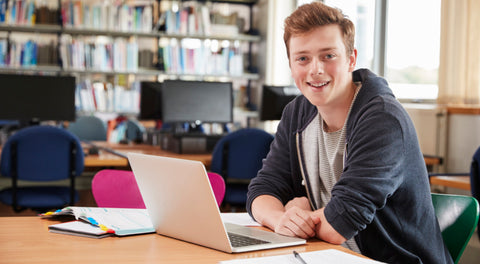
x,y
3,10
18,12
3,52
189,20
205,57
115,16
100,96
82,53
20,53
47,14
100,222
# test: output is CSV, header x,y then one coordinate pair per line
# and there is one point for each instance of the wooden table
x,y
27,240
432,160
106,159
459,182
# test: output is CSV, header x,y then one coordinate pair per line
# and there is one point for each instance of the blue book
x,y
27,53
182,60
30,12
3,51
34,53
3,9
138,18
13,13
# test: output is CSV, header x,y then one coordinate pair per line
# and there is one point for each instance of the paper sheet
x,y
243,219
327,256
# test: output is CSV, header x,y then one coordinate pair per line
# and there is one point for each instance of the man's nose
x,y
317,67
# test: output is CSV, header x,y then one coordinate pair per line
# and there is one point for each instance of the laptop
x,y
181,204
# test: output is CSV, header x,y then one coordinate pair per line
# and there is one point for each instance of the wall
x,y
273,63
450,135
463,141
431,126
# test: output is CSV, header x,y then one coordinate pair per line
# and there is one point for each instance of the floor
x,y
471,254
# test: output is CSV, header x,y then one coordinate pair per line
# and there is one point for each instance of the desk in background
x,y
432,161
106,159
27,240
459,182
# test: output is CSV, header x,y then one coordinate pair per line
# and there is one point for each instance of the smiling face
x,y
321,68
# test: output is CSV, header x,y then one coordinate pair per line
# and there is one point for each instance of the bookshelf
x,y
104,41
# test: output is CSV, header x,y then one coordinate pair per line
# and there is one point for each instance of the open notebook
x,y
181,204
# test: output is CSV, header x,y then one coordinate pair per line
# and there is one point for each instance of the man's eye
x,y
301,59
330,56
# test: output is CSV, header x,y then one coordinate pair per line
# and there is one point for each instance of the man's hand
x,y
295,219
325,231
300,202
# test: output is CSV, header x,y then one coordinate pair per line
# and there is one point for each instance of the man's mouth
x,y
318,84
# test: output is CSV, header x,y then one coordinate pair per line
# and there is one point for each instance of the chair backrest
x,y
89,128
475,178
475,175
134,131
458,217
42,153
119,189
239,156
218,186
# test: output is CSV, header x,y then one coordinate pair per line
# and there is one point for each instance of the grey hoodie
x,y
383,196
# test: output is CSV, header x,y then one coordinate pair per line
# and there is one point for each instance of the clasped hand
x,y
299,220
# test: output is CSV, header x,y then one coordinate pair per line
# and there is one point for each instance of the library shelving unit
x,y
121,42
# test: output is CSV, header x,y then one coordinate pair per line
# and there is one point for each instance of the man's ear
x,y
353,60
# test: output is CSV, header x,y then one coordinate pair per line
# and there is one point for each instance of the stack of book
x,y
108,15
194,56
97,222
93,53
94,96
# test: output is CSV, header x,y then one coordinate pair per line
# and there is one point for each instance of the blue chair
x,y
475,178
134,131
90,128
41,154
238,157
9,122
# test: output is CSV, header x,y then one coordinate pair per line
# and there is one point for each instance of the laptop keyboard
x,y
242,241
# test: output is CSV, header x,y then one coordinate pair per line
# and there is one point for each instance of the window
x,y
413,48
410,52
362,14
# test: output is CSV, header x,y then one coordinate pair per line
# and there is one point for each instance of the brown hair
x,y
310,16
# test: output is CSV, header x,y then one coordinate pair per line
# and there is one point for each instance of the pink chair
x,y
218,186
119,189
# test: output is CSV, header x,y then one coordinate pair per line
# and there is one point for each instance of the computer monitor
x,y
34,98
197,101
150,101
274,99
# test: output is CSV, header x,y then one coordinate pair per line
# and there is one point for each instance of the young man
x,y
345,165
